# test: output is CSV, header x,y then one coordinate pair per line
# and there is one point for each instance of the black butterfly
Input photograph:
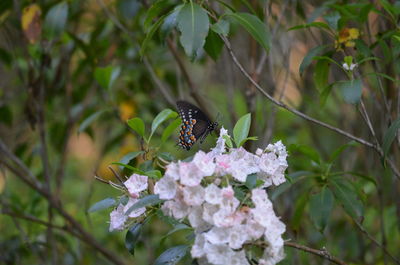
x,y
195,124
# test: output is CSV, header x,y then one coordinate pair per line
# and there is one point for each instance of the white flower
x,y
190,174
237,236
209,211
254,229
166,188
175,208
260,198
220,147
135,184
213,194
238,258
196,219
193,195
197,250
349,67
217,235
204,162
117,218
134,213
172,171
218,254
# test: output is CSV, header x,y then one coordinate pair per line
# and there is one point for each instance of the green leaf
x,y
228,141
351,90
299,207
154,174
133,169
321,205
150,34
221,27
89,120
321,75
345,194
213,45
170,21
307,151
170,129
193,24
128,157
325,94
332,19
320,25
103,204
309,57
154,11
172,256
160,118
106,76
340,149
253,25
250,138
132,237
241,129
177,227
251,181
137,125
56,19
148,200
390,135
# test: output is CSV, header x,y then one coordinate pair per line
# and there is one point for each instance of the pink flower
x,y
204,162
135,184
190,174
117,218
134,213
166,188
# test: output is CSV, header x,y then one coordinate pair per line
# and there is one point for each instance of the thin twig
x,y
370,237
306,117
323,253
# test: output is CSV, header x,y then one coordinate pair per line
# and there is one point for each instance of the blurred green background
x,y
72,74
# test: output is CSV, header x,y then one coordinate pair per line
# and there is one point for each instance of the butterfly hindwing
x,y
195,124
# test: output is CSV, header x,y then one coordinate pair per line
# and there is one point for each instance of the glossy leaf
x,y
128,157
56,20
160,118
251,181
228,141
170,129
321,74
309,57
253,25
170,21
154,11
172,256
320,25
241,129
332,19
148,200
390,135
178,227
345,194
321,205
351,90
221,27
132,237
106,76
193,23
137,125
150,34
103,204
213,45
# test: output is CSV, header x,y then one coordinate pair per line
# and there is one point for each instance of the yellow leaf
x,y
31,23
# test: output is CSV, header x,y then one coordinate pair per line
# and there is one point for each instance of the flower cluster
x,y
346,38
119,217
203,191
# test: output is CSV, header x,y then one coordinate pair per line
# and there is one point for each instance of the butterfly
x,y
195,125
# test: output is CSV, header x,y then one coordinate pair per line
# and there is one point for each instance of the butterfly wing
x,y
195,124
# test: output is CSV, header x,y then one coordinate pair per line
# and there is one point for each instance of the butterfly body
x,y
195,124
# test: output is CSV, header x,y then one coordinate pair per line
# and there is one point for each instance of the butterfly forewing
x,y
195,124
